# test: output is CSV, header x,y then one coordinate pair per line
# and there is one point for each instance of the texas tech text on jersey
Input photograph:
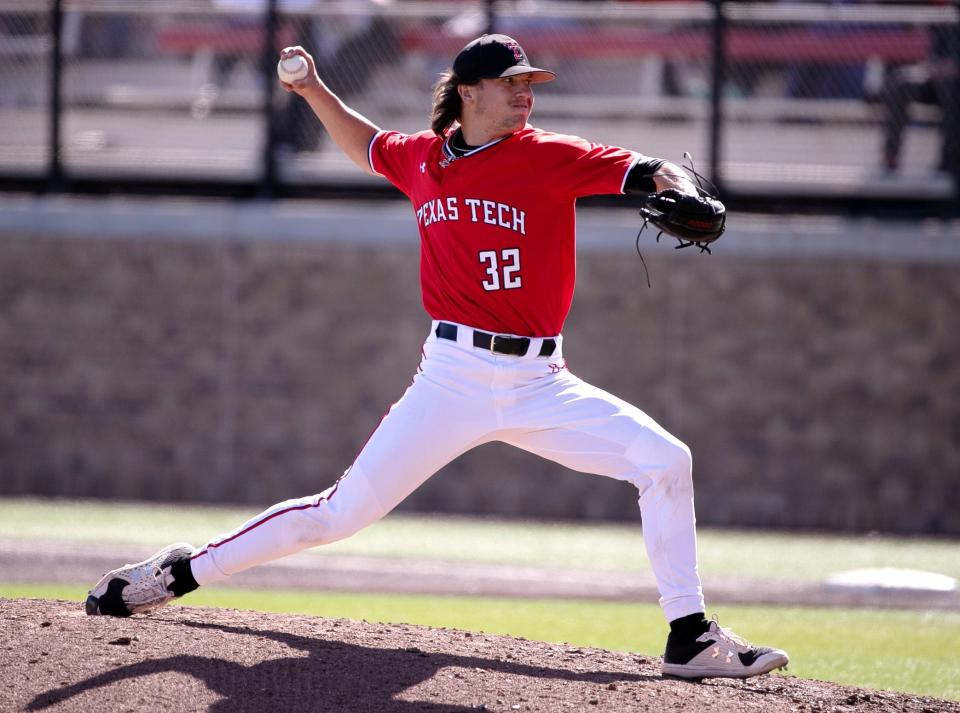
x,y
480,211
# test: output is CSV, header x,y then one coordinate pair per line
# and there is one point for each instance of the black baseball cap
x,y
492,56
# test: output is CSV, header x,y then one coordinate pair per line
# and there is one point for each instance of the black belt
x,y
497,343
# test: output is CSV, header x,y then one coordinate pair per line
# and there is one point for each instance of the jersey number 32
x,y
503,269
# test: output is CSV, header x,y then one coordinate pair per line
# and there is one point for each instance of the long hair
x,y
447,104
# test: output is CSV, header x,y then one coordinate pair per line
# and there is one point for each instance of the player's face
x,y
502,106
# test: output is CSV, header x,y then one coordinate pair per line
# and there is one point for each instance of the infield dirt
x,y
55,658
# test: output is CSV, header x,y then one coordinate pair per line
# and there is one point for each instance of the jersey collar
x,y
449,156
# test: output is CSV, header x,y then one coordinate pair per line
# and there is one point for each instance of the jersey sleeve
x,y
581,168
391,155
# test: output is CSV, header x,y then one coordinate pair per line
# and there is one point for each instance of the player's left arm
x,y
649,175
582,168
670,175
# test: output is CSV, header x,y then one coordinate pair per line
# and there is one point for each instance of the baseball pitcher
x,y
494,200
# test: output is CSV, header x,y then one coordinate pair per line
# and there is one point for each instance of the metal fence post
x,y
54,164
491,12
717,78
268,178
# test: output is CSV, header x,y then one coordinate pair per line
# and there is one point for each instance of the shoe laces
x,y
154,585
154,581
727,635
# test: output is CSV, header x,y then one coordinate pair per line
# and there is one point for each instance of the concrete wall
x,y
243,353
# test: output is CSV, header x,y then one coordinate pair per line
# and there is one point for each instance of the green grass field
x,y
910,651
726,553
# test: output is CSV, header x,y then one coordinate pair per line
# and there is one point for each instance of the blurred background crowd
x,y
829,99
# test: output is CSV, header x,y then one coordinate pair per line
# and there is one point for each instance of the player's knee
x,y
347,525
664,455
681,460
345,519
679,466
669,464
314,531
342,510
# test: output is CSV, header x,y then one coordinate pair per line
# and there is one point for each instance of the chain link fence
x,y
25,68
817,97
793,99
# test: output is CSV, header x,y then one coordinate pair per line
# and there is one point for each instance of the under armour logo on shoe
x,y
423,167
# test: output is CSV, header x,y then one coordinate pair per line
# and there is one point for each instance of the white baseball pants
x,y
461,397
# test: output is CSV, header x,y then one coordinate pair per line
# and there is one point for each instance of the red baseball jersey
x,y
498,225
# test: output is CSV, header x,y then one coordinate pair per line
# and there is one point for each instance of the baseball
x,y
291,69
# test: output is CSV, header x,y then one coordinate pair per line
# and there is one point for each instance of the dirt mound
x,y
55,658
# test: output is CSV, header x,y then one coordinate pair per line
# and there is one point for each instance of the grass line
x,y
723,553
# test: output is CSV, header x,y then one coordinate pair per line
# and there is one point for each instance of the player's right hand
x,y
301,86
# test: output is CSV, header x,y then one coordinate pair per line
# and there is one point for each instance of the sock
x,y
183,581
688,628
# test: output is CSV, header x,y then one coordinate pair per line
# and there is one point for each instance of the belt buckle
x,y
493,344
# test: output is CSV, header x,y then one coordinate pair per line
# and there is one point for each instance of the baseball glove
x,y
692,219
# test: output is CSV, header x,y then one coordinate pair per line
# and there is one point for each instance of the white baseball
x,y
292,68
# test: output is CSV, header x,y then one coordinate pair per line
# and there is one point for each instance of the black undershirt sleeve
x,y
640,176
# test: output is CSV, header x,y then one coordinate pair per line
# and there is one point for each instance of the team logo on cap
x,y
517,52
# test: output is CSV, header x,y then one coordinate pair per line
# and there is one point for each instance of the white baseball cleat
x,y
719,653
138,588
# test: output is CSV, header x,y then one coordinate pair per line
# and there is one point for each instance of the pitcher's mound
x,y
55,658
